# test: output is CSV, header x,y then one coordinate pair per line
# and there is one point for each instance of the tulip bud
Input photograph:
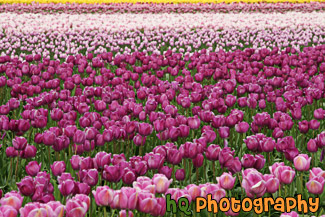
x,y
167,171
58,167
194,122
268,144
86,163
303,126
174,156
32,168
139,140
11,152
312,145
319,114
49,138
316,185
180,174
82,188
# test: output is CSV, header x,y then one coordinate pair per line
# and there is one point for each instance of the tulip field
x,y
120,108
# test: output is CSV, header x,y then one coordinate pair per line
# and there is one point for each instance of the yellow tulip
x,y
150,1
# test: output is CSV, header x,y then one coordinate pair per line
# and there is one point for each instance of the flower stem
x,y
213,169
16,173
49,153
197,176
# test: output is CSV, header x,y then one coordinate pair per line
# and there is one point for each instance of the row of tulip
x,y
259,106
146,196
151,1
58,36
120,169
161,8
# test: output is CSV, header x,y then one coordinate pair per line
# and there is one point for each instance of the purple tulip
x,y
223,132
79,137
248,161
19,143
26,186
180,174
101,159
58,167
32,168
112,173
242,127
89,177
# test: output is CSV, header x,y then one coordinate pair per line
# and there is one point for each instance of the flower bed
x,y
126,113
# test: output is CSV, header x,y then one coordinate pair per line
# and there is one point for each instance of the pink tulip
x,y
291,214
103,195
272,183
123,213
37,209
112,173
161,182
285,174
226,181
253,183
302,162
75,162
12,199
316,185
145,129
316,171
8,211
248,161
76,207
146,202
57,208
